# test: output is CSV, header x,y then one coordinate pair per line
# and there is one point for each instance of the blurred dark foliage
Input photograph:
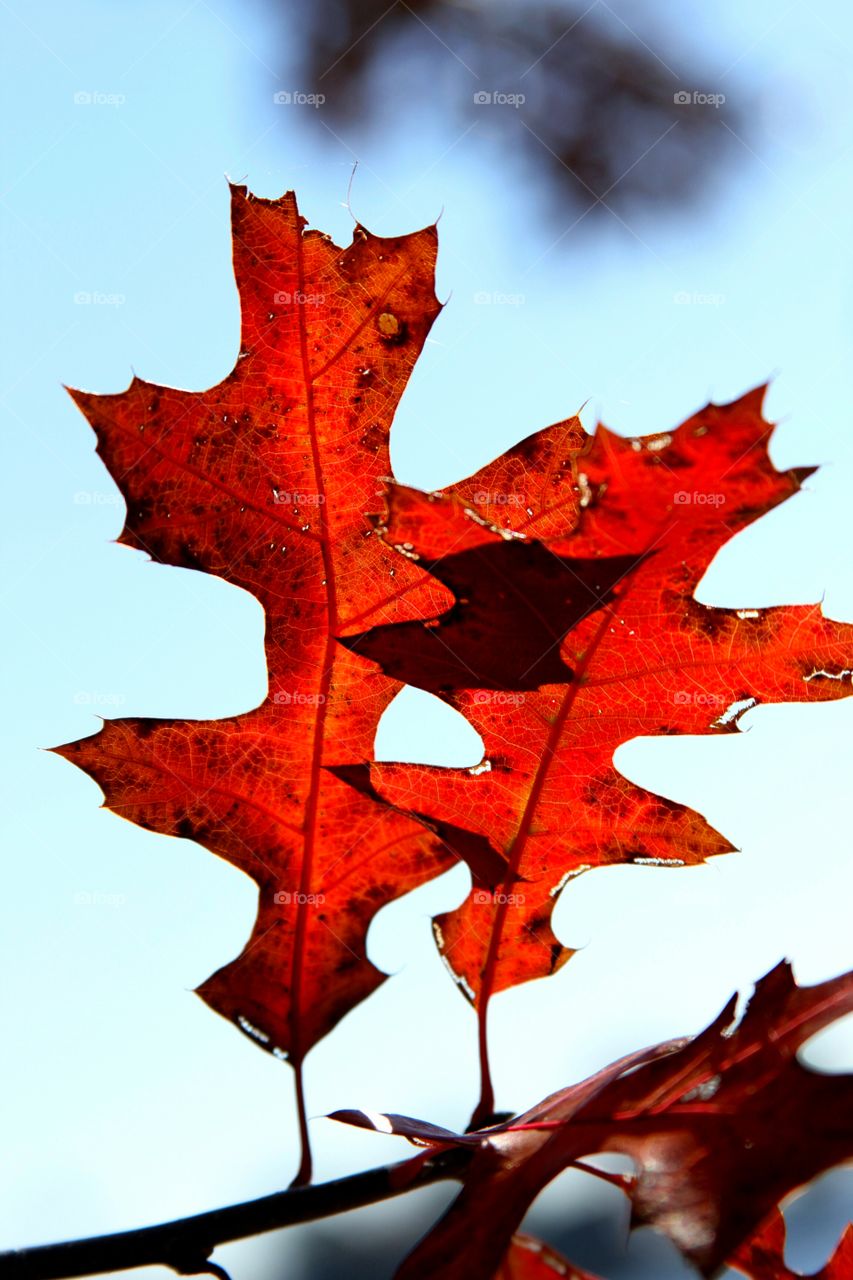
x,y
596,1242
600,118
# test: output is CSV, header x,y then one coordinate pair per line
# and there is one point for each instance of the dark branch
x,y
186,1244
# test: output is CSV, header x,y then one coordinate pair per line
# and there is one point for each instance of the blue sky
x,y
127,1100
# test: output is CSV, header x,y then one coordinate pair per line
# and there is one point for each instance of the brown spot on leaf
x,y
391,329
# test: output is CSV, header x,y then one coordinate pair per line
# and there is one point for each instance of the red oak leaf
x,y
529,1259
267,480
558,649
762,1257
720,1128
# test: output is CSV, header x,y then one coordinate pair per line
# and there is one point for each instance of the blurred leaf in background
x,y
615,117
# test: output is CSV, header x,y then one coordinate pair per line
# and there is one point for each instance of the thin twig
x,y
186,1244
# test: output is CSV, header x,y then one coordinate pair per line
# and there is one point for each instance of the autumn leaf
x,y
529,1259
719,1128
267,480
762,1257
561,645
